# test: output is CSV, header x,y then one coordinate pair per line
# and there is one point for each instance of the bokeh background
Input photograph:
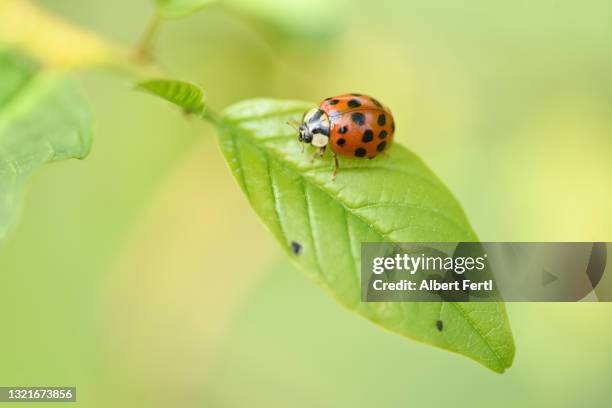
x,y
142,277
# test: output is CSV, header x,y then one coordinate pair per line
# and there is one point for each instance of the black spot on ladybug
x,y
376,103
356,94
382,119
354,103
358,118
334,102
360,152
296,247
368,136
381,146
440,325
382,134
341,142
343,130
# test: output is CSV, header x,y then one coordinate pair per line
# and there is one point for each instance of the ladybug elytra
x,y
353,125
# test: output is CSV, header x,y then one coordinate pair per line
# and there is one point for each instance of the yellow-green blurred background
x,y
142,277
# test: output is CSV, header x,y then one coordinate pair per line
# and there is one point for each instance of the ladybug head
x,y
314,128
305,136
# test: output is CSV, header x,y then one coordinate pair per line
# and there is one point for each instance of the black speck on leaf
x,y
439,325
296,247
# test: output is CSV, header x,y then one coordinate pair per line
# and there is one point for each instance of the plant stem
x,y
144,50
211,116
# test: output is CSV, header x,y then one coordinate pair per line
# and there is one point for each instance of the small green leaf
x,y
180,8
393,199
188,96
43,118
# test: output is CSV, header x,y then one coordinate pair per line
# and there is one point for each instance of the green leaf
x,y
180,8
188,96
393,199
43,118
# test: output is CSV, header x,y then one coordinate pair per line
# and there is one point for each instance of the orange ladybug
x,y
353,125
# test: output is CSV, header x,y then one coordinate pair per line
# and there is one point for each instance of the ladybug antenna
x,y
294,124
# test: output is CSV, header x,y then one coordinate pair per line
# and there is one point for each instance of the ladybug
x,y
353,125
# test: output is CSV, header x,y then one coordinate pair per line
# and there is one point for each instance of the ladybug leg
x,y
314,156
318,154
336,167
